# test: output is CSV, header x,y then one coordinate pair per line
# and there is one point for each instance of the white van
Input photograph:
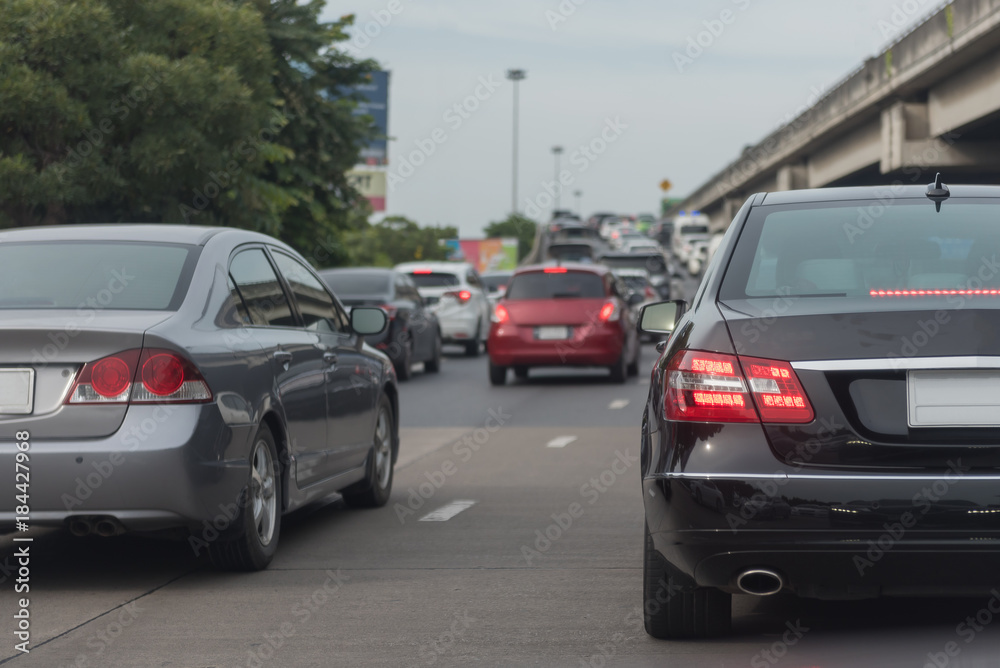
x,y
689,229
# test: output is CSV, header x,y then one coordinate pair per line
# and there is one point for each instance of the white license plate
x,y
17,391
953,398
552,333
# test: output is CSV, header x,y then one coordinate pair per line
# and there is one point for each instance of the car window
x,y
473,279
315,304
361,283
114,276
234,312
566,285
261,290
429,279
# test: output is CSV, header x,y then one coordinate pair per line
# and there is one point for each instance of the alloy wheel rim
x,y
383,450
264,501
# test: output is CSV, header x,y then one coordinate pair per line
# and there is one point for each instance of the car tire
x,y
433,365
250,542
374,490
472,347
521,372
700,613
498,374
405,363
619,370
633,367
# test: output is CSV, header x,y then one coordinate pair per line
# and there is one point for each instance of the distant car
x,y
663,232
626,236
654,263
578,251
641,245
571,315
458,297
609,226
594,222
644,221
688,229
212,382
413,335
641,291
496,283
574,232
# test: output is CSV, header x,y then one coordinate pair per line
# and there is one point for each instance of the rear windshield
x,y
360,283
654,264
434,280
81,275
868,255
635,282
571,285
571,252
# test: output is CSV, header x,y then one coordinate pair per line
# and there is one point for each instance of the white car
x,y
456,294
689,229
625,236
642,245
610,226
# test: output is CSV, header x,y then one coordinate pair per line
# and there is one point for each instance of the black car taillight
x,y
140,376
714,387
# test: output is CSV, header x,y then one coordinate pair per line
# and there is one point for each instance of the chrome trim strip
x,y
901,363
821,476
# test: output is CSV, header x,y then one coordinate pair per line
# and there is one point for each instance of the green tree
x,y
117,110
398,239
515,225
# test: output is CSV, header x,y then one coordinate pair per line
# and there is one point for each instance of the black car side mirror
x,y
661,317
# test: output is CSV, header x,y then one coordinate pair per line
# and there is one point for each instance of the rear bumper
x,y
459,326
511,345
831,536
167,466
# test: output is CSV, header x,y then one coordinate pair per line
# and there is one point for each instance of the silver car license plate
x,y
953,398
17,391
552,333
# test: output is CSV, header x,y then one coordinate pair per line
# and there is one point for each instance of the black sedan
x,y
837,383
159,377
413,335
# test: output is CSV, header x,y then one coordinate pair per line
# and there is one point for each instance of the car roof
x,y
872,192
619,255
570,266
494,274
630,271
437,267
357,270
194,235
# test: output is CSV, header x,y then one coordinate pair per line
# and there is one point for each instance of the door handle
x,y
282,357
330,358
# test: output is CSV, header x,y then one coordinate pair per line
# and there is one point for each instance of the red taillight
x,y
777,391
712,387
555,270
609,312
421,271
650,293
461,295
500,314
163,376
707,387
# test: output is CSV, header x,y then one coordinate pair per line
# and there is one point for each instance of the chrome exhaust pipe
x,y
759,582
81,526
108,527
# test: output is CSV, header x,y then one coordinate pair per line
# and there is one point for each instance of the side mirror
x,y
661,317
366,321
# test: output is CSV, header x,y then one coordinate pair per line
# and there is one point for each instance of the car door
x,y
351,389
419,320
482,300
297,359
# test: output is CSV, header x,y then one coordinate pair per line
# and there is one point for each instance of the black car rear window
x,y
359,283
869,254
93,275
570,252
494,283
569,285
435,280
694,229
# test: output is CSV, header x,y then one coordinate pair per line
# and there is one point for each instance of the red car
x,y
568,315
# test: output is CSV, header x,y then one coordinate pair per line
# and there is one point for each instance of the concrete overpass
x,y
930,102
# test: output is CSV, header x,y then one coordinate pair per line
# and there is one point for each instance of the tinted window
x,y
842,253
261,290
637,283
494,283
435,280
571,252
694,229
315,305
234,312
115,276
358,283
571,285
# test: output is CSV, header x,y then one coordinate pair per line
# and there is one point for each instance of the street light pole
x,y
579,209
557,151
516,76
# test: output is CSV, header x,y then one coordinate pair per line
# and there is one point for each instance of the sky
x,y
635,91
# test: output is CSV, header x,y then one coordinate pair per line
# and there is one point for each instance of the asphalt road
x,y
535,560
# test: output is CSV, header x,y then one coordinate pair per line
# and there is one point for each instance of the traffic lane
x,y
461,395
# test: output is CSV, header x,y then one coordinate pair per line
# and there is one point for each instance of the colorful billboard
x,y
485,254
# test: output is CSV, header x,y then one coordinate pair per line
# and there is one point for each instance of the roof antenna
x,y
938,192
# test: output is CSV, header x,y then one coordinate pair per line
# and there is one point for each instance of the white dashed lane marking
x,y
618,404
445,513
560,442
